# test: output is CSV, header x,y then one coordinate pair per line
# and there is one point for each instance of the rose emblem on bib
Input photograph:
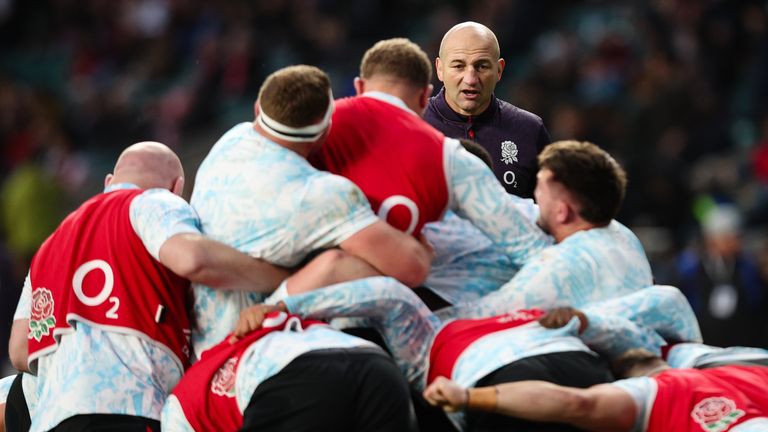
x,y
41,321
223,382
716,414
508,152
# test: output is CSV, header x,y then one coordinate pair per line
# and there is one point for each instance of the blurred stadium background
x,y
676,89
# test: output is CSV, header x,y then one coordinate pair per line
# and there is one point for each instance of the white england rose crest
x,y
41,320
223,382
508,152
716,414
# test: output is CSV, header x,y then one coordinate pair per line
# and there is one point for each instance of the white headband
x,y
297,134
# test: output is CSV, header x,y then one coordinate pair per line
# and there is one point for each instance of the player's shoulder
x,y
324,183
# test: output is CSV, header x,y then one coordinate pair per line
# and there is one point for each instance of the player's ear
x,y
424,97
178,186
359,85
108,179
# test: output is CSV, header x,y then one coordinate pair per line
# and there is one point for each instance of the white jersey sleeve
x,y
643,391
157,215
24,307
173,418
476,195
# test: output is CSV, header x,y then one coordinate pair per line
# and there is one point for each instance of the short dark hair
x,y
295,96
594,179
399,58
477,150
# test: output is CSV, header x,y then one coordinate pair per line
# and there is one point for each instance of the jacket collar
x,y
449,114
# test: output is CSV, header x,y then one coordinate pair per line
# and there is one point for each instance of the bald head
x,y
149,165
470,34
469,67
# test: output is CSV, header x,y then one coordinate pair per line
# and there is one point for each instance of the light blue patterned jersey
x,y
588,266
646,318
24,307
467,265
501,348
5,387
28,386
173,418
690,355
94,371
270,203
409,328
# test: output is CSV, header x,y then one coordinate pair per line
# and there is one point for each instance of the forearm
x,y
331,267
554,403
599,408
217,265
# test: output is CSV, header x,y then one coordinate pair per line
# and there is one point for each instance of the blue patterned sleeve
x,y
611,335
661,308
158,214
688,355
406,324
644,319
173,419
477,195
24,307
548,280
5,387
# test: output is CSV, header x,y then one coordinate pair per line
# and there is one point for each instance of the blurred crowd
x,y
677,90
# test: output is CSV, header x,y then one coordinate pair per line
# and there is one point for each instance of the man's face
x,y
469,68
547,194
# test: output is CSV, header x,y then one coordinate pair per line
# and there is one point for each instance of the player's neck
x,y
395,88
562,232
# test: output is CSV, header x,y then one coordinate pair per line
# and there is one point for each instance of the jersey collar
x,y
390,99
120,186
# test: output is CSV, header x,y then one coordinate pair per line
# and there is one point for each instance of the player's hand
x,y
559,317
252,318
446,394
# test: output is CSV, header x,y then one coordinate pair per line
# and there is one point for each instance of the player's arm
x,y
599,408
214,264
391,252
478,196
330,267
170,230
341,216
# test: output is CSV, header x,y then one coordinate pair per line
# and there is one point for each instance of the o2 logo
x,y
398,200
509,178
103,294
